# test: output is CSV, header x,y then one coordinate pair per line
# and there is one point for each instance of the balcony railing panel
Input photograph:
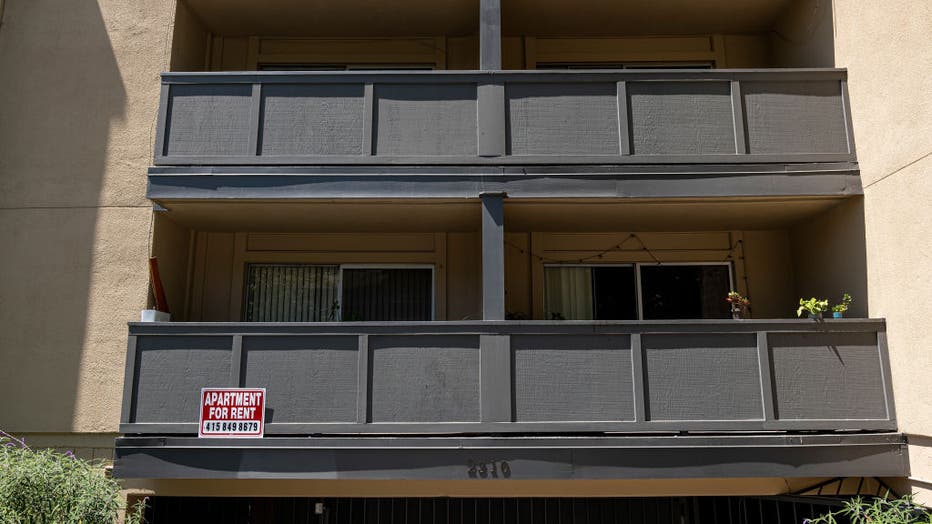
x,y
518,377
514,117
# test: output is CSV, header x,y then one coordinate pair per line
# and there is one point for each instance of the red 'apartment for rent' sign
x,y
232,412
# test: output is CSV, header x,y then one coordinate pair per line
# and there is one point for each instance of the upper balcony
x,y
733,132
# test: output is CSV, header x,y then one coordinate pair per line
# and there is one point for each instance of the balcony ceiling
x,y
636,17
346,18
355,18
520,215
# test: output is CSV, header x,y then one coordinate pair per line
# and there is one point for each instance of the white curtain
x,y
568,293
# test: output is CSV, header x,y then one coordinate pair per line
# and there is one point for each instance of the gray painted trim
x,y
236,362
624,122
510,327
529,458
527,75
637,182
846,107
490,35
884,355
638,382
766,374
491,120
493,256
255,123
737,108
368,119
495,378
512,160
162,119
129,374
362,381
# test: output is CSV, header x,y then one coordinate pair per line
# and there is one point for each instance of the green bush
x,y
41,486
877,511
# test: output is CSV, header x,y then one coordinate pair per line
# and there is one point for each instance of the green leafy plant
x,y
813,305
44,486
877,511
843,306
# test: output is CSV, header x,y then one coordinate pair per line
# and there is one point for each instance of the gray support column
x,y
493,256
495,378
490,35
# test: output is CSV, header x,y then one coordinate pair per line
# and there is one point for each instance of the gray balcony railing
x,y
518,377
505,118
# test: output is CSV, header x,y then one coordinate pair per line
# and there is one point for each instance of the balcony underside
x,y
525,458
634,181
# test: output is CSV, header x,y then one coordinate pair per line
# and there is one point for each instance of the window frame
x,y
341,267
637,276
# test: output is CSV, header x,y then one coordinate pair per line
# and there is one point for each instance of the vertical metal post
x,y
490,35
493,256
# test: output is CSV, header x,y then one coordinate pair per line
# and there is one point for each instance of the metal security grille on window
x,y
292,293
316,293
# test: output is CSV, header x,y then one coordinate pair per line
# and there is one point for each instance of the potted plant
x,y
838,310
813,306
739,305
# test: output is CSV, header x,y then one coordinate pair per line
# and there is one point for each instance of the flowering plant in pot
x,y
814,306
838,310
739,305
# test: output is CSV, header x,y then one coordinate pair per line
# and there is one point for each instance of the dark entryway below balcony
x,y
642,510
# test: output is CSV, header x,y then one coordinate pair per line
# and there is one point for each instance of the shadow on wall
x,y
804,35
60,90
831,256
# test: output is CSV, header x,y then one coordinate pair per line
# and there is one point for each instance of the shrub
x,y
42,486
877,511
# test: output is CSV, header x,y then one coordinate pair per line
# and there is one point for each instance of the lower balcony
x,y
424,378
517,400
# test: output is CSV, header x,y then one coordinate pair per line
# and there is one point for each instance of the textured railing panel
x,y
581,377
502,377
702,377
504,117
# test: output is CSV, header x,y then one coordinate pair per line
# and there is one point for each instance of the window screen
x,y
318,293
292,293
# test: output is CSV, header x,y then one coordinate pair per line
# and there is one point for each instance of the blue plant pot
x,y
837,314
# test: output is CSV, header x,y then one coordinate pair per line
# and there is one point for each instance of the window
x,y
637,291
322,293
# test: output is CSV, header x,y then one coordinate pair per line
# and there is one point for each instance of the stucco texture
x,y
885,47
77,111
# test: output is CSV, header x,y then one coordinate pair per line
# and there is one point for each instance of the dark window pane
x,y
387,294
291,293
614,294
670,292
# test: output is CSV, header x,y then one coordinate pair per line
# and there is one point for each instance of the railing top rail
x,y
538,75
512,327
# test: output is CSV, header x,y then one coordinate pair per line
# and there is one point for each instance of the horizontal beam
x,y
540,75
683,181
519,458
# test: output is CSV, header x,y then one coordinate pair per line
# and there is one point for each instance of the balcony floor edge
x,y
527,457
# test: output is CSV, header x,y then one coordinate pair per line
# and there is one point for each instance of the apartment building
x,y
476,252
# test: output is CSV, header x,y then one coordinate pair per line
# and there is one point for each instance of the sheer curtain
x,y
568,293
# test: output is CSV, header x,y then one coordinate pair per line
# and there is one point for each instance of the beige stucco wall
x,y
887,51
78,103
